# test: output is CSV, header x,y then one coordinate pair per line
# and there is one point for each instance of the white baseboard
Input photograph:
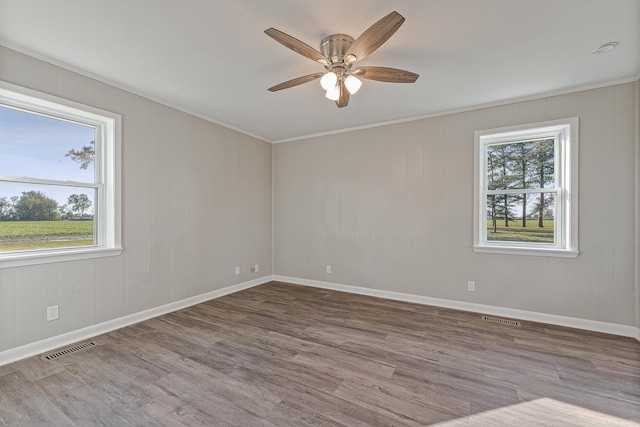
x,y
32,349
552,319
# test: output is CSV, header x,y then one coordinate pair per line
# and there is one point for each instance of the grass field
x,y
24,235
516,233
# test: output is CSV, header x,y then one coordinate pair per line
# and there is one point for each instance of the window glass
x,y
528,164
524,165
506,223
41,215
37,146
59,179
526,181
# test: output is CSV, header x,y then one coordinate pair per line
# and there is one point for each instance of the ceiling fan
x,y
339,53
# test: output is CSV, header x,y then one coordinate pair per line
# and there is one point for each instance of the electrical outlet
x,y
237,270
52,313
256,268
471,286
328,269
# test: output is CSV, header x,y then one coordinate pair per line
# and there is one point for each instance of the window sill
x,y
512,250
19,259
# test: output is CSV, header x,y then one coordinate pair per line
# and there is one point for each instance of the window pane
x,y
45,216
42,147
506,222
527,164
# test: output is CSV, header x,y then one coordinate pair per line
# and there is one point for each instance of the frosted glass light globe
x,y
329,80
333,93
353,84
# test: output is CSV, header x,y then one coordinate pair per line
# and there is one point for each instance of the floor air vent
x,y
69,350
507,322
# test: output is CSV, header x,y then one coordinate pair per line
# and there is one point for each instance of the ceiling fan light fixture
x,y
338,53
329,80
353,84
333,93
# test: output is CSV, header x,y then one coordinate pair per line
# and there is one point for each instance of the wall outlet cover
x,y
52,313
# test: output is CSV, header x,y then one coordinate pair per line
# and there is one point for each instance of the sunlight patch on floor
x,y
542,412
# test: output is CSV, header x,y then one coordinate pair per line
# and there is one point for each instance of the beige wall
x,y
391,208
196,203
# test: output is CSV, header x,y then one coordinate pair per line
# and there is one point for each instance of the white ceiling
x,y
211,57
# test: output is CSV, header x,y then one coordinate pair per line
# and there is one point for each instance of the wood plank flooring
x,y
287,355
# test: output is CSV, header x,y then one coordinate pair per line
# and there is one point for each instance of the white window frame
x,y
107,167
565,134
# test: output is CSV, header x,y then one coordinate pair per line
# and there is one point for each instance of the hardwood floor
x,y
288,355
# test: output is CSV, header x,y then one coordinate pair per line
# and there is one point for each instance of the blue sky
x,y
35,146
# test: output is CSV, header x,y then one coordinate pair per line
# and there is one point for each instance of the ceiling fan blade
x,y
296,45
343,100
295,82
373,37
386,74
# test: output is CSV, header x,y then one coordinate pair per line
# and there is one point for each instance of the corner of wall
x,y
637,208
273,209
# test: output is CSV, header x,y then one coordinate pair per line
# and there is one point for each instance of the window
x,y
59,183
526,196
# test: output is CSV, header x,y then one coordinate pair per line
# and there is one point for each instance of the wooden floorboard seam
x,y
281,354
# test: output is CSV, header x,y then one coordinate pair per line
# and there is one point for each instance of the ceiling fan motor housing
x,y
335,47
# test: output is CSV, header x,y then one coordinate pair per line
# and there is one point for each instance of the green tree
x,y
65,212
543,173
79,204
500,176
14,203
6,208
493,177
36,206
520,165
543,206
85,156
